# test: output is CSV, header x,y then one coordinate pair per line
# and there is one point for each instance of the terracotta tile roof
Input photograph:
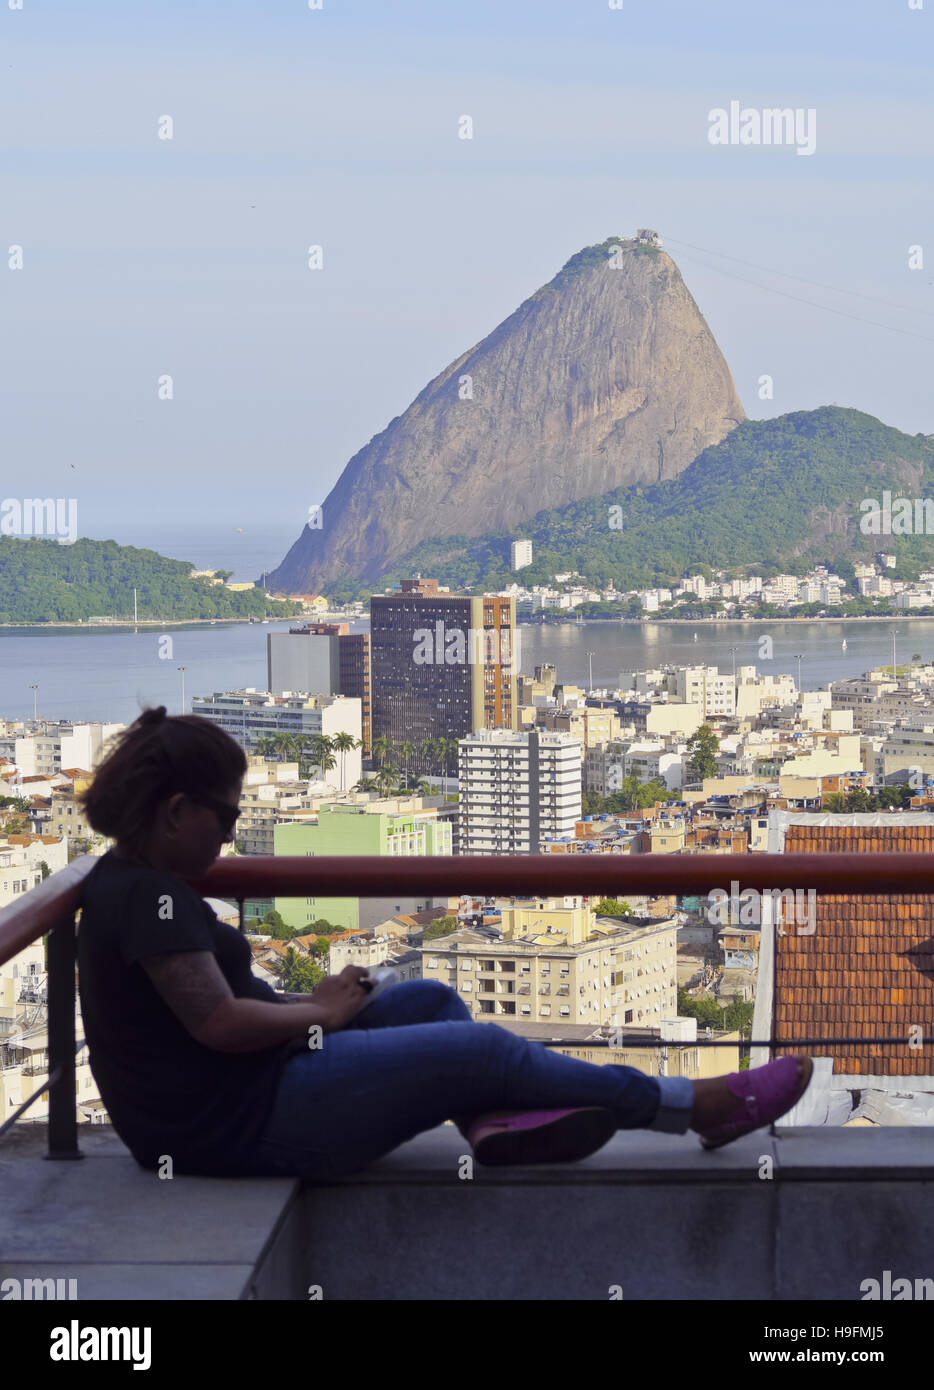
x,y
868,967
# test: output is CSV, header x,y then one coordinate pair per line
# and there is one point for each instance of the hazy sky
x,y
339,127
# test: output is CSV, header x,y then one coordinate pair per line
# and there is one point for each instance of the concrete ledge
x,y
806,1214
124,1233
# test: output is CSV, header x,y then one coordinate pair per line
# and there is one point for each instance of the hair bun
x,y
152,716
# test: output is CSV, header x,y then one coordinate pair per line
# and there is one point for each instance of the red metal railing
x,y
50,909
539,875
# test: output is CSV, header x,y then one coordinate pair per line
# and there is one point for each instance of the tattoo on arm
x,y
191,983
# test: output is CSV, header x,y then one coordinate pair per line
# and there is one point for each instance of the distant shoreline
x,y
899,617
181,622
906,616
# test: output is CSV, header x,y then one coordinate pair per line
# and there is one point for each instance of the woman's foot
x,y
540,1136
727,1107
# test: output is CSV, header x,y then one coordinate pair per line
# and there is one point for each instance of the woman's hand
x,y
342,995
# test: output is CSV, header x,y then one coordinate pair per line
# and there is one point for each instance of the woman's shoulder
x,y
115,877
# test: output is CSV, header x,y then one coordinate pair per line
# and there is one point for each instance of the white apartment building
x,y
706,687
874,586
738,588
697,584
372,952
45,749
250,715
872,697
21,857
908,751
914,598
520,554
517,789
606,767
755,693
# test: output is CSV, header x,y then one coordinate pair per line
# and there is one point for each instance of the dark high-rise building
x,y
442,666
354,679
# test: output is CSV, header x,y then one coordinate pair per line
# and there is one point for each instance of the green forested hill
x,y
43,581
780,493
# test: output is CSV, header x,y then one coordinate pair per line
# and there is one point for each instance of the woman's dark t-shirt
x,y
166,1093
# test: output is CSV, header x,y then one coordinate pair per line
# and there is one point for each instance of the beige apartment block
x,y
592,726
625,975
67,818
668,718
673,1059
265,805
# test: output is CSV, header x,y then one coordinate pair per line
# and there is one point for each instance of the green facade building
x,y
355,830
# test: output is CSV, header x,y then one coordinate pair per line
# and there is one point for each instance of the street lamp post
x,y
798,656
183,669
590,657
35,703
894,631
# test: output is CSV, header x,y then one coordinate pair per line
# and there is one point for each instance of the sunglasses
x,y
226,814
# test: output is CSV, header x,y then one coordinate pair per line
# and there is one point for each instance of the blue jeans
x,y
415,1058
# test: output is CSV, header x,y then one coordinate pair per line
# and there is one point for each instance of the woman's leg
x,y
413,1001
368,1089
417,1001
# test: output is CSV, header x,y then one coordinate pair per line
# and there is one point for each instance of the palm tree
x,y
447,750
421,786
429,751
366,784
382,747
265,746
406,751
282,743
322,754
300,744
386,779
344,743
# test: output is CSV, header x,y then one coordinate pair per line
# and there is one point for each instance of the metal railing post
x,y
63,1112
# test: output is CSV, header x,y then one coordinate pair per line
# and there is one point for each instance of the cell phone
x,y
378,981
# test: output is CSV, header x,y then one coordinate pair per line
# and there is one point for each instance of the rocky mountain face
x,y
608,375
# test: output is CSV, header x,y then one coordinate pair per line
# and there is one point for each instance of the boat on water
x,y
843,645
695,637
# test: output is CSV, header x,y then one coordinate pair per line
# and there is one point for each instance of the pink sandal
x,y
766,1094
540,1136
